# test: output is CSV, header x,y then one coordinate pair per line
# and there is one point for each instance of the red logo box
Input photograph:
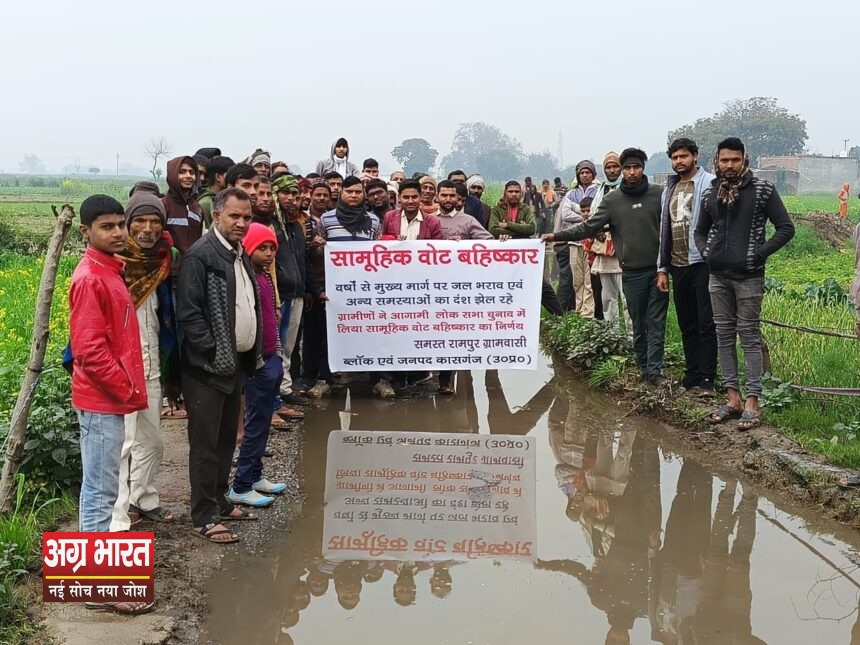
x,y
98,567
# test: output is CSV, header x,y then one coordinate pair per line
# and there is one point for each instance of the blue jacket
x,y
701,181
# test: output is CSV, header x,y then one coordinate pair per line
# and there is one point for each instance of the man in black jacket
x,y
730,236
218,310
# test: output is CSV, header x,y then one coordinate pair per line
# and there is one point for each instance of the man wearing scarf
x,y
574,282
632,214
148,262
292,260
349,220
730,236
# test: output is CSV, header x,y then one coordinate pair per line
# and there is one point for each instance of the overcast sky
x,y
89,80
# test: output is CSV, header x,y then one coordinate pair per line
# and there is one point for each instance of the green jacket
x,y
205,198
633,221
524,227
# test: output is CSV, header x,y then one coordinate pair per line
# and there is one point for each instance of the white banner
x,y
433,304
429,496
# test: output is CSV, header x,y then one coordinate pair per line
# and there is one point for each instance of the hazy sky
x,y
89,80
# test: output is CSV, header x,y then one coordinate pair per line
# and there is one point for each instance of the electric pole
x,y
117,164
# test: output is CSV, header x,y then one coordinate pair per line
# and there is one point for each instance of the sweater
x,y
524,227
206,313
633,221
732,240
466,227
269,319
701,181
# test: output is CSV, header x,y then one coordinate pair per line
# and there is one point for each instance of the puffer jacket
x,y
107,374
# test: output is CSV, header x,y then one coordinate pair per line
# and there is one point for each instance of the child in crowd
x,y
250,488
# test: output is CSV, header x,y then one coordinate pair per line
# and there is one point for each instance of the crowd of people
x,y
213,297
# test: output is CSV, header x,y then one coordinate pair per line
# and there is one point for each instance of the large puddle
x,y
636,544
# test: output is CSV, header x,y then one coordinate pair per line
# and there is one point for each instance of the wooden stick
x,y
38,346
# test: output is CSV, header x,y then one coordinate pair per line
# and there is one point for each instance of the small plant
x,y
776,394
608,372
828,293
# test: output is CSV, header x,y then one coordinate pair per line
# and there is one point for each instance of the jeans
x,y
102,436
565,277
213,420
143,447
737,314
648,308
260,391
696,321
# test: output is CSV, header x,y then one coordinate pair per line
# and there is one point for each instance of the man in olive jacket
x,y
511,216
632,214
218,310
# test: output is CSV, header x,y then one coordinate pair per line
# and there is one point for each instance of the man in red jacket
x,y
107,377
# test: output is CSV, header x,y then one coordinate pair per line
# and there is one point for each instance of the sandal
x,y
157,514
236,515
749,420
723,414
446,389
210,532
279,424
290,413
123,608
847,482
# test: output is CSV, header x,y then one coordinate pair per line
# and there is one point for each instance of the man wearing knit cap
x,y
632,214
218,309
148,262
476,186
605,265
574,282
261,161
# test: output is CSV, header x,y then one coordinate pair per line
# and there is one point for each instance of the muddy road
x,y
639,541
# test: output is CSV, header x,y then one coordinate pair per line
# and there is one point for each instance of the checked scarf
x,y
729,187
145,269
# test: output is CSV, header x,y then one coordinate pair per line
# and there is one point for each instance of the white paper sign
x,y
429,496
432,304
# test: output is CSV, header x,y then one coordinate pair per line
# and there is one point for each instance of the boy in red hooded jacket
x,y
107,377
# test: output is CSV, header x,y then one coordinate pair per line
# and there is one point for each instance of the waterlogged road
x,y
637,543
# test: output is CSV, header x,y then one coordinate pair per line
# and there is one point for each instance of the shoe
x,y
267,487
657,380
707,385
290,413
268,453
689,382
294,399
251,498
403,391
235,456
319,390
384,390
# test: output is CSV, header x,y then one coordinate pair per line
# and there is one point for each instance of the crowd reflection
x,y
689,580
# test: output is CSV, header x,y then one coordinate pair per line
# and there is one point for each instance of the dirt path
x,y
183,563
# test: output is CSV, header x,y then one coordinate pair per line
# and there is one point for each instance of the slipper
x,y
208,532
157,514
279,424
847,482
290,413
749,420
446,389
169,413
116,607
243,516
722,414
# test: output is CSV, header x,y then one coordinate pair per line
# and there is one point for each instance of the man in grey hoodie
x,y
682,202
338,161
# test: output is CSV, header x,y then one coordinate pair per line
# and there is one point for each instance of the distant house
x,y
805,174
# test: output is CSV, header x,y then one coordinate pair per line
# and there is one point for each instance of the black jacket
x,y
206,315
732,240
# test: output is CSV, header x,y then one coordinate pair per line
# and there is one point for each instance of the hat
x,y
145,187
475,180
392,186
633,157
144,202
258,234
427,179
585,164
209,152
259,156
610,157
285,183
